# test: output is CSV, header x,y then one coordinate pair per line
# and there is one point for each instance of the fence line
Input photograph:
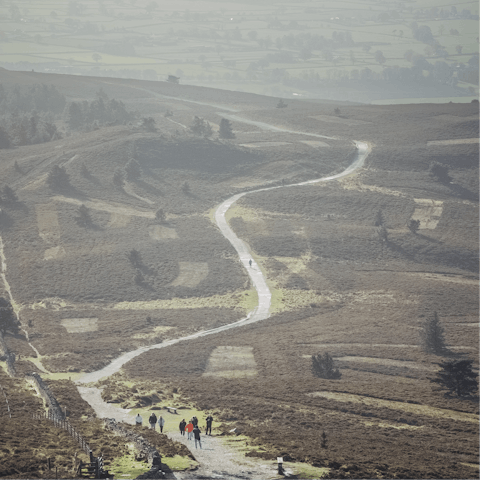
x,y
46,394
65,425
6,401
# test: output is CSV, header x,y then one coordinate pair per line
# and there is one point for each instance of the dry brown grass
x,y
337,289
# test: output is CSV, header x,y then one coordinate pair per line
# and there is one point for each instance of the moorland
x,y
121,251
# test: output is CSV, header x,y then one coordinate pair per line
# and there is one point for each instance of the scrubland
x,y
337,286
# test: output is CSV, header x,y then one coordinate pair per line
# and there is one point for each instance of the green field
x,y
234,45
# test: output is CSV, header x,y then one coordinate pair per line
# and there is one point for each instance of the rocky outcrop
x,y
144,450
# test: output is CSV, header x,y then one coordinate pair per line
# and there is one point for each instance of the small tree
x,y
201,127
138,278
133,170
379,220
439,172
226,130
149,124
118,178
323,440
8,195
160,215
323,367
336,111
379,57
135,258
281,104
58,177
432,335
382,233
457,377
4,139
8,320
413,225
83,216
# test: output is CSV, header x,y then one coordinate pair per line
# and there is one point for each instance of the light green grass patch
x,y
179,463
284,299
127,467
304,470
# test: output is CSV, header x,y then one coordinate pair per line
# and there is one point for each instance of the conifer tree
x,y
58,177
225,130
432,335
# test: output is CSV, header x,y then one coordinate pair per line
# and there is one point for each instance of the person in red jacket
x,y
189,430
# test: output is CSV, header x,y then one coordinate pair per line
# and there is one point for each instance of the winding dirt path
x,y
262,311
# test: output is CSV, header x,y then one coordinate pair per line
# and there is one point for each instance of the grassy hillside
x,y
340,283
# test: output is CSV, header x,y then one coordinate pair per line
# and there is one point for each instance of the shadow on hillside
x,y
428,239
149,188
190,195
463,192
92,178
397,248
69,191
18,205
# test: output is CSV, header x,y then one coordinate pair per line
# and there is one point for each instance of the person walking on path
x,y
196,434
152,421
250,262
138,419
161,423
182,426
209,425
189,429
195,421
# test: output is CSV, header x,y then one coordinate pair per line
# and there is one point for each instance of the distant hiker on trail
x,y
161,423
182,426
138,419
209,425
250,262
189,429
196,434
194,421
152,421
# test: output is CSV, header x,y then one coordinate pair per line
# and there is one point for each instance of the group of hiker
x,y
192,428
152,420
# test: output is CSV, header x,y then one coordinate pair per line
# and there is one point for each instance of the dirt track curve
x,y
261,312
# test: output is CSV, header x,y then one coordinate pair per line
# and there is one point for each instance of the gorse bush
x,y
58,177
201,127
323,367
